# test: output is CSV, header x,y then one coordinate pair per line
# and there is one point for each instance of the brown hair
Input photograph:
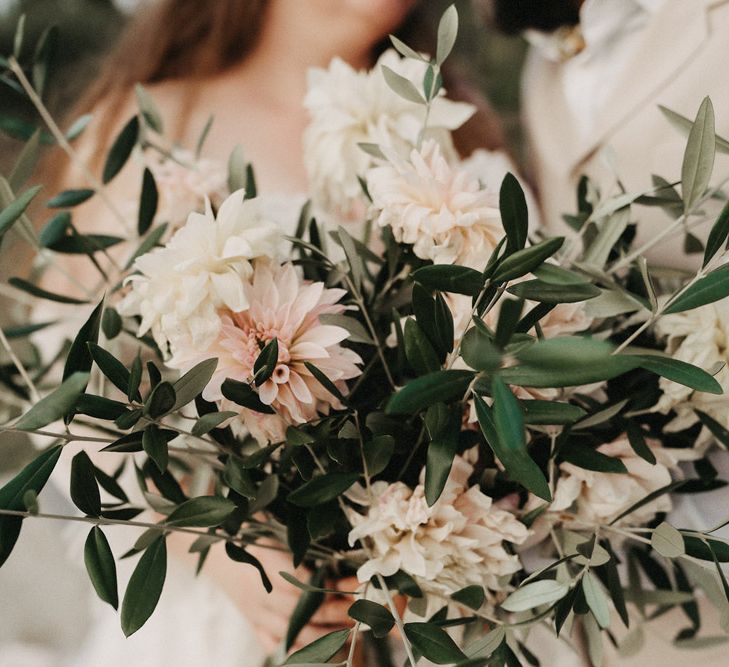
x,y
187,39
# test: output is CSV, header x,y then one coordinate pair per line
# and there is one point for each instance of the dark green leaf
x,y
100,407
324,381
504,431
238,479
471,596
479,351
30,288
203,511
514,213
111,323
79,358
211,421
434,643
243,394
544,292
679,371
320,650
551,412
441,450
265,363
88,244
421,393
375,615
145,587
192,383
418,350
121,149
100,565
55,229
718,235
242,556
43,58
84,490
638,443
709,289
322,489
717,430
450,278
149,110
155,445
524,261
590,459
378,452
70,198
135,377
55,405
161,400
110,366
148,202
16,208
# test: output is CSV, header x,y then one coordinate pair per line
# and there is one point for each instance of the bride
x,y
246,62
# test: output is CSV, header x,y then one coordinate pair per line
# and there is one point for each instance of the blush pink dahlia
x,y
281,306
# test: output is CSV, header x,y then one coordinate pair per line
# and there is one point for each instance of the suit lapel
x,y
673,37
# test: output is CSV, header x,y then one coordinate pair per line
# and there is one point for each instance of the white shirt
x,y
610,30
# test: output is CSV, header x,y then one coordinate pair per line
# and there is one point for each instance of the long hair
x,y
189,40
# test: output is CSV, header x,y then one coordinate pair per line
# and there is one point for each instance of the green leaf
x,y
12,496
418,350
265,363
524,261
12,212
404,50
479,351
30,288
145,587
443,427
567,362
450,278
717,430
551,412
155,445
70,198
203,511
25,163
84,489
112,368
135,377
111,323
401,86
54,231
356,265
238,479
698,160
679,371
148,202
509,445
78,126
590,459
236,169
447,33
544,292
149,110
421,393
241,393
121,149
240,555
357,332
712,287
101,567
434,643
718,235
638,443
596,599
79,358
684,126
55,405
375,615
535,594
322,489
320,650
211,421
192,383
84,244
161,400
667,541
471,596
324,381
43,58
514,213
378,453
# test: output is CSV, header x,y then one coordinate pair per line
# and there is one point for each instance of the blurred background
x,y
59,607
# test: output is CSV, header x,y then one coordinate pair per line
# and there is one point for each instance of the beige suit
x,y
682,55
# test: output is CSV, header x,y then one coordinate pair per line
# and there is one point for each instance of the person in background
x,y
595,75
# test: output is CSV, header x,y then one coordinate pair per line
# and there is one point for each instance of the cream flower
x,y
184,183
597,498
457,542
348,107
700,337
280,306
438,208
203,268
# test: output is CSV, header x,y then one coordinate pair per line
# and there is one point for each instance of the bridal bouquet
x,y
485,425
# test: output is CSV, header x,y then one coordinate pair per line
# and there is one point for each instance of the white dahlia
x,y
457,542
179,288
439,208
348,107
